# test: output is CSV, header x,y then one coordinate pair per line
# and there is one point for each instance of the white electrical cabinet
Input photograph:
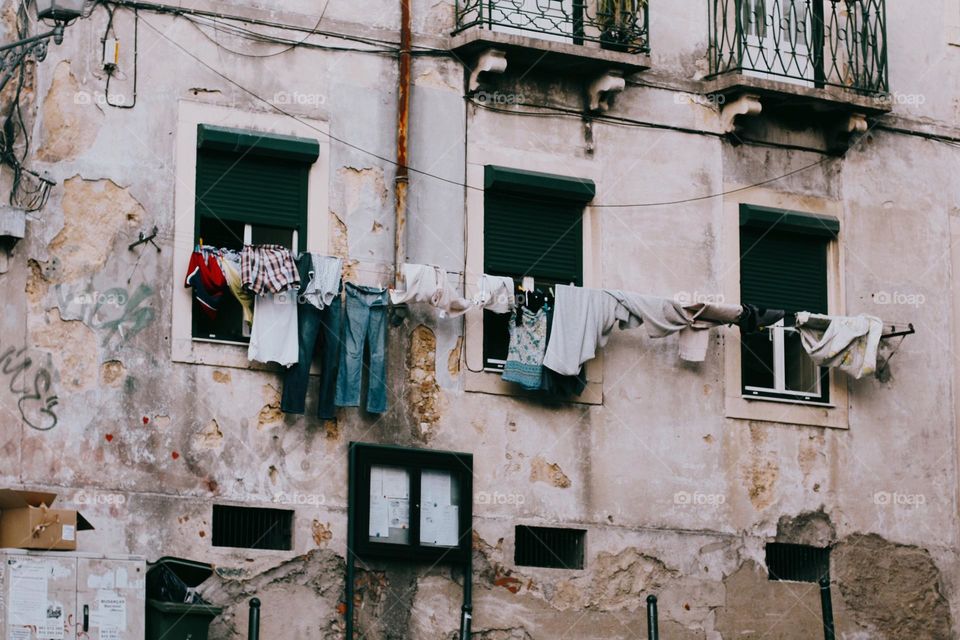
x,y
49,595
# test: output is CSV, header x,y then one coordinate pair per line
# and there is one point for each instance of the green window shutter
x,y
529,235
253,189
241,141
782,270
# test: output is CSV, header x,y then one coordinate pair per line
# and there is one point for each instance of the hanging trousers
x,y
365,325
324,326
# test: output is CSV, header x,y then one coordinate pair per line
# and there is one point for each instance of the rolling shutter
x,y
539,237
252,189
781,270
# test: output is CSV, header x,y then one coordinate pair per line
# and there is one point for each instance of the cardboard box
x,y
27,521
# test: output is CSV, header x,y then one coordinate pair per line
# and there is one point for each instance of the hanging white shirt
x,y
428,283
274,336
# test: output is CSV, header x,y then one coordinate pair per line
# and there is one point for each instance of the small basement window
x,y
252,528
548,547
797,562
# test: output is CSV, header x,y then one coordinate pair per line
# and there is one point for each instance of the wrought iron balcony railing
x,y
619,25
816,43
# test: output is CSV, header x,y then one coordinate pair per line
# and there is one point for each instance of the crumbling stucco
x,y
71,119
892,590
424,391
209,437
299,597
549,473
112,372
270,415
72,346
94,212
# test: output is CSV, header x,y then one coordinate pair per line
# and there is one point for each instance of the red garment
x,y
208,282
210,274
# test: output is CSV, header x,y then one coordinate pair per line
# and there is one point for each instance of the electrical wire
x,y
182,11
136,56
439,178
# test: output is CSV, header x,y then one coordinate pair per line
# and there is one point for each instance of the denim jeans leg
x,y
297,377
377,345
332,320
351,353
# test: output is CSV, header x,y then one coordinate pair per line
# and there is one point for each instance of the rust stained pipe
x,y
402,179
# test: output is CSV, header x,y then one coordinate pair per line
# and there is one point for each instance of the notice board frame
x,y
364,456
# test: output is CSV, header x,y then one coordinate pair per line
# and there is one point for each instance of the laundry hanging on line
x,y
849,344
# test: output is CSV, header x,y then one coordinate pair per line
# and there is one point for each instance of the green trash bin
x,y
173,621
173,611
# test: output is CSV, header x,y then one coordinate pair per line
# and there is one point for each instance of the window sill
x,y
794,412
806,403
490,382
222,353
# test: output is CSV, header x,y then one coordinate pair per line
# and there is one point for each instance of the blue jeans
x,y
315,325
365,324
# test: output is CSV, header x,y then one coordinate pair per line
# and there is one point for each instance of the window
x,y
410,503
252,528
251,188
533,227
783,265
797,562
549,547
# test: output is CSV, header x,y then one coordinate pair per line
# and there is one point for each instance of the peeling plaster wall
x,y
677,499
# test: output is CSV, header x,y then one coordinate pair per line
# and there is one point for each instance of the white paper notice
x,y
376,481
396,484
110,633
435,487
28,593
379,517
20,633
111,611
428,523
53,624
399,514
448,527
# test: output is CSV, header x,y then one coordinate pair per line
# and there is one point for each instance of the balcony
x,y
587,36
828,54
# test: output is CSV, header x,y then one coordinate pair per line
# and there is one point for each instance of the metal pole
x,y
351,515
253,626
466,613
653,632
402,180
827,606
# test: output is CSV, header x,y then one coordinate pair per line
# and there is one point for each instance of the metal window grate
x,y
797,562
252,528
549,547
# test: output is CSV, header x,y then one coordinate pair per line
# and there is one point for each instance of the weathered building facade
x,y
677,475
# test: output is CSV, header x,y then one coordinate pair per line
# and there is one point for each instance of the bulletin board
x,y
410,503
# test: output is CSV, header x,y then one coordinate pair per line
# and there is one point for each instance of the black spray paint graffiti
x,y
95,308
31,387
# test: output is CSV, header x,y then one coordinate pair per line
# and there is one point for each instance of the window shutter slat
x,y
252,189
783,271
525,235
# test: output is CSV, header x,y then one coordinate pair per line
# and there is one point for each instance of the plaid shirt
x,y
268,268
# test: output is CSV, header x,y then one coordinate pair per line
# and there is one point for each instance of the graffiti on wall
x,y
117,314
31,386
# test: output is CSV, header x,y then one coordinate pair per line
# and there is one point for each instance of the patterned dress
x,y
528,343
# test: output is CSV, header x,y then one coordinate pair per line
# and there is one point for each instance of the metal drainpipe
x,y
402,180
826,607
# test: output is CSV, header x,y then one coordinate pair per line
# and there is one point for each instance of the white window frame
x,y
777,334
477,377
758,408
222,353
